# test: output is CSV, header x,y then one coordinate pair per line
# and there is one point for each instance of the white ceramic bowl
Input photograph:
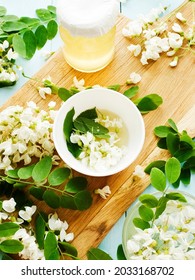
x,y
102,99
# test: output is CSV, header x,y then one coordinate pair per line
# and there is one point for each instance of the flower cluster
x,y
8,75
25,133
171,236
25,234
159,39
98,153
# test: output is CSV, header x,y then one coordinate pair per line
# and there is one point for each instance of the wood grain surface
x,y
177,88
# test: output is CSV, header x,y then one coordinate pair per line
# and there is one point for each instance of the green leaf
x,y
85,124
30,42
74,149
52,9
139,223
8,229
52,29
52,199
114,87
41,36
11,246
20,185
58,176
13,173
51,247
172,125
176,196
149,103
185,176
42,169
162,143
25,172
40,230
120,253
172,170
13,26
131,92
68,249
19,45
97,254
149,200
146,213
160,207
4,257
160,164
68,202
31,22
76,184
158,179
162,131
44,14
173,143
68,124
184,155
37,192
187,139
89,114
10,18
83,200
190,163
3,11
64,93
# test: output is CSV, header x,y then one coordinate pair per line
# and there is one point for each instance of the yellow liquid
x,y
88,54
122,131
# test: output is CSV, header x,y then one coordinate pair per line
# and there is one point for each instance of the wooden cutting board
x,y
177,88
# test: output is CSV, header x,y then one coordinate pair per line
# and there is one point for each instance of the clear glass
x,y
88,54
129,228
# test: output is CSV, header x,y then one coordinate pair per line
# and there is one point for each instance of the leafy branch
x,y
42,182
180,145
27,34
152,206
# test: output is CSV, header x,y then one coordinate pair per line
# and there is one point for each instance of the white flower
x,y
9,205
31,250
189,34
133,29
134,78
24,133
27,213
180,17
4,45
175,40
11,55
139,171
104,192
79,84
43,91
171,53
174,62
3,216
177,28
54,222
136,49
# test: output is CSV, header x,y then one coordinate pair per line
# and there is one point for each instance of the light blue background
x,y
131,9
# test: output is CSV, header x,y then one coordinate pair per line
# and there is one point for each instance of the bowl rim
x,y
133,211
70,104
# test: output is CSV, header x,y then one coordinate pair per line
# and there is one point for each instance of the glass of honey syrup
x,y
87,28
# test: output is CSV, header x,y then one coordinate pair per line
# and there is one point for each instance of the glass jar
x,y
87,28
129,229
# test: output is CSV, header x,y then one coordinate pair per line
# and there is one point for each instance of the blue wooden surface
x,y
131,9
